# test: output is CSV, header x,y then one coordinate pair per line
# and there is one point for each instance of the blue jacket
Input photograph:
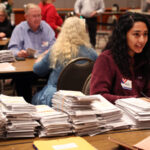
x,y
42,68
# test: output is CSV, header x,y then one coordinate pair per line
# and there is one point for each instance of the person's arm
x,y
16,41
103,76
52,17
77,7
42,65
22,53
41,56
101,7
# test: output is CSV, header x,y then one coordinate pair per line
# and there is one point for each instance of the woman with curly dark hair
x,y
123,68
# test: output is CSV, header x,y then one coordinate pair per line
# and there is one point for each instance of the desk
x,y
22,67
100,142
4,42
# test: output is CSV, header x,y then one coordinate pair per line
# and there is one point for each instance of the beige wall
x,y
70,3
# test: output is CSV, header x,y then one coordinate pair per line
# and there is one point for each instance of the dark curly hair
x,y
118,44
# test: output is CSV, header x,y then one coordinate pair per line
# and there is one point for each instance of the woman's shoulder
x,y
84,48
106,56
87,52
106,53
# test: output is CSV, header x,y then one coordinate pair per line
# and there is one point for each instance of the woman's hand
x,y
41,56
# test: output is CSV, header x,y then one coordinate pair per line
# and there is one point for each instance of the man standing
x,y
89,9
30,34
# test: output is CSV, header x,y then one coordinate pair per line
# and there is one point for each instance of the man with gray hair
x,y
32,33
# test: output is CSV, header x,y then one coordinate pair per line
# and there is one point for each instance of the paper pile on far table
x,y
3,121
6,56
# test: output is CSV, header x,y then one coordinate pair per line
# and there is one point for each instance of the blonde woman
x,y
50,15
72,42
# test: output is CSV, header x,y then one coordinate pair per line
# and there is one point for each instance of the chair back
x,y
74,74
86,86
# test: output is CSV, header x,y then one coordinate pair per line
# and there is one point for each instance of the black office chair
x,y
86,86
74,74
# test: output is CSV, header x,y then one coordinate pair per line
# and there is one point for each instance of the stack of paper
x,y
53,123
137,111
21,122
109,114
3,122
5,67
6,56
78,107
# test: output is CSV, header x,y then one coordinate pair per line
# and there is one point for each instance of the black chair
x,y
74,74
86,86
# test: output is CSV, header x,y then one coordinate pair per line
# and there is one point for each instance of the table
x,y
100,142
22,67
4,41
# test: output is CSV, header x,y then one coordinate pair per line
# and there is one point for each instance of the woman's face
x,y
2,16
137,37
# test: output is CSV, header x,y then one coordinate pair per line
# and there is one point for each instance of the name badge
x,y
126,84
44,44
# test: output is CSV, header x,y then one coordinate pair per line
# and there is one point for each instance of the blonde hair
x,y
73,34
30,6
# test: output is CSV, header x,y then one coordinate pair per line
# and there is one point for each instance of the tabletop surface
x,y
4,41
21,66
100,142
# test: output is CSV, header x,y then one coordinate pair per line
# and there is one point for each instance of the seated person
x,y
5,26
72,42
34,34
123,68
